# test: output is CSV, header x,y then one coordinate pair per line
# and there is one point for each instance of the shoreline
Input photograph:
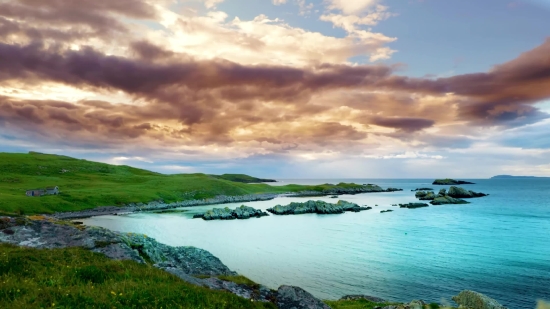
x,y
191,264
221,199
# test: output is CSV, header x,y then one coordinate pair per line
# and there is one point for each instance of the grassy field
x,y
77,278
85,184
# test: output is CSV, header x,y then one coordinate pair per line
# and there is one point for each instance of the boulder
x,y
442,192
291,297
422,189
475,300
366,297
417,304
458,192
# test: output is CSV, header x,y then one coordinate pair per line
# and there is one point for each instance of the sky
x,y
281,88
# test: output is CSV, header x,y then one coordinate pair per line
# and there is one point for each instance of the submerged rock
x,y
458,192
384,211
318,207
450,182
291,297
242,212
475,300
413,205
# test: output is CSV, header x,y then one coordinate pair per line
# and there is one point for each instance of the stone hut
x,y
52,190
41,192
35,192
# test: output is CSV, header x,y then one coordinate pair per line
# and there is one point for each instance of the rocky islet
x,y
317,207
242,212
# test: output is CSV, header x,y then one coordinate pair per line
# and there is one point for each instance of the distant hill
x,y
510,176
243,178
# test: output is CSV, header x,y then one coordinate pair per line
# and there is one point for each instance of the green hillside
x,y
242,178
85,184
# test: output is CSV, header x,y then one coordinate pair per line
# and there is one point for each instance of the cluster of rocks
x,y
450,182
242,212
317,207
453,196
413,205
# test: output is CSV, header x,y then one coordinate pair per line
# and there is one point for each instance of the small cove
x,y
498,245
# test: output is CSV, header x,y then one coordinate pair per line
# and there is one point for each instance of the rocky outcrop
x,y
413,205
343,188
242,212
443,197
444,200
474,300
318,207
50,234
291,297
450,182
458,192
365,297
384,211
425,196
422,189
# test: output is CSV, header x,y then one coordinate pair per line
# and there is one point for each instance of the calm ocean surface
x,y
498,245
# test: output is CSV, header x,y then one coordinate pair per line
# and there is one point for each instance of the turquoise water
x,y
499,245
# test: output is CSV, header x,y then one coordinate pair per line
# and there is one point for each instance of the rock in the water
x,y
291,297
242,212
393,189
425,196
450,182
444,200
442,192
413,205
366,297
458,192
422,189
384,211
318,207
474,300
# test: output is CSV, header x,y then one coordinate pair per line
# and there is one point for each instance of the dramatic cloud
x,y
83,76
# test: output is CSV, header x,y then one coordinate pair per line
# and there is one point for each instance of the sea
x,y
498,245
